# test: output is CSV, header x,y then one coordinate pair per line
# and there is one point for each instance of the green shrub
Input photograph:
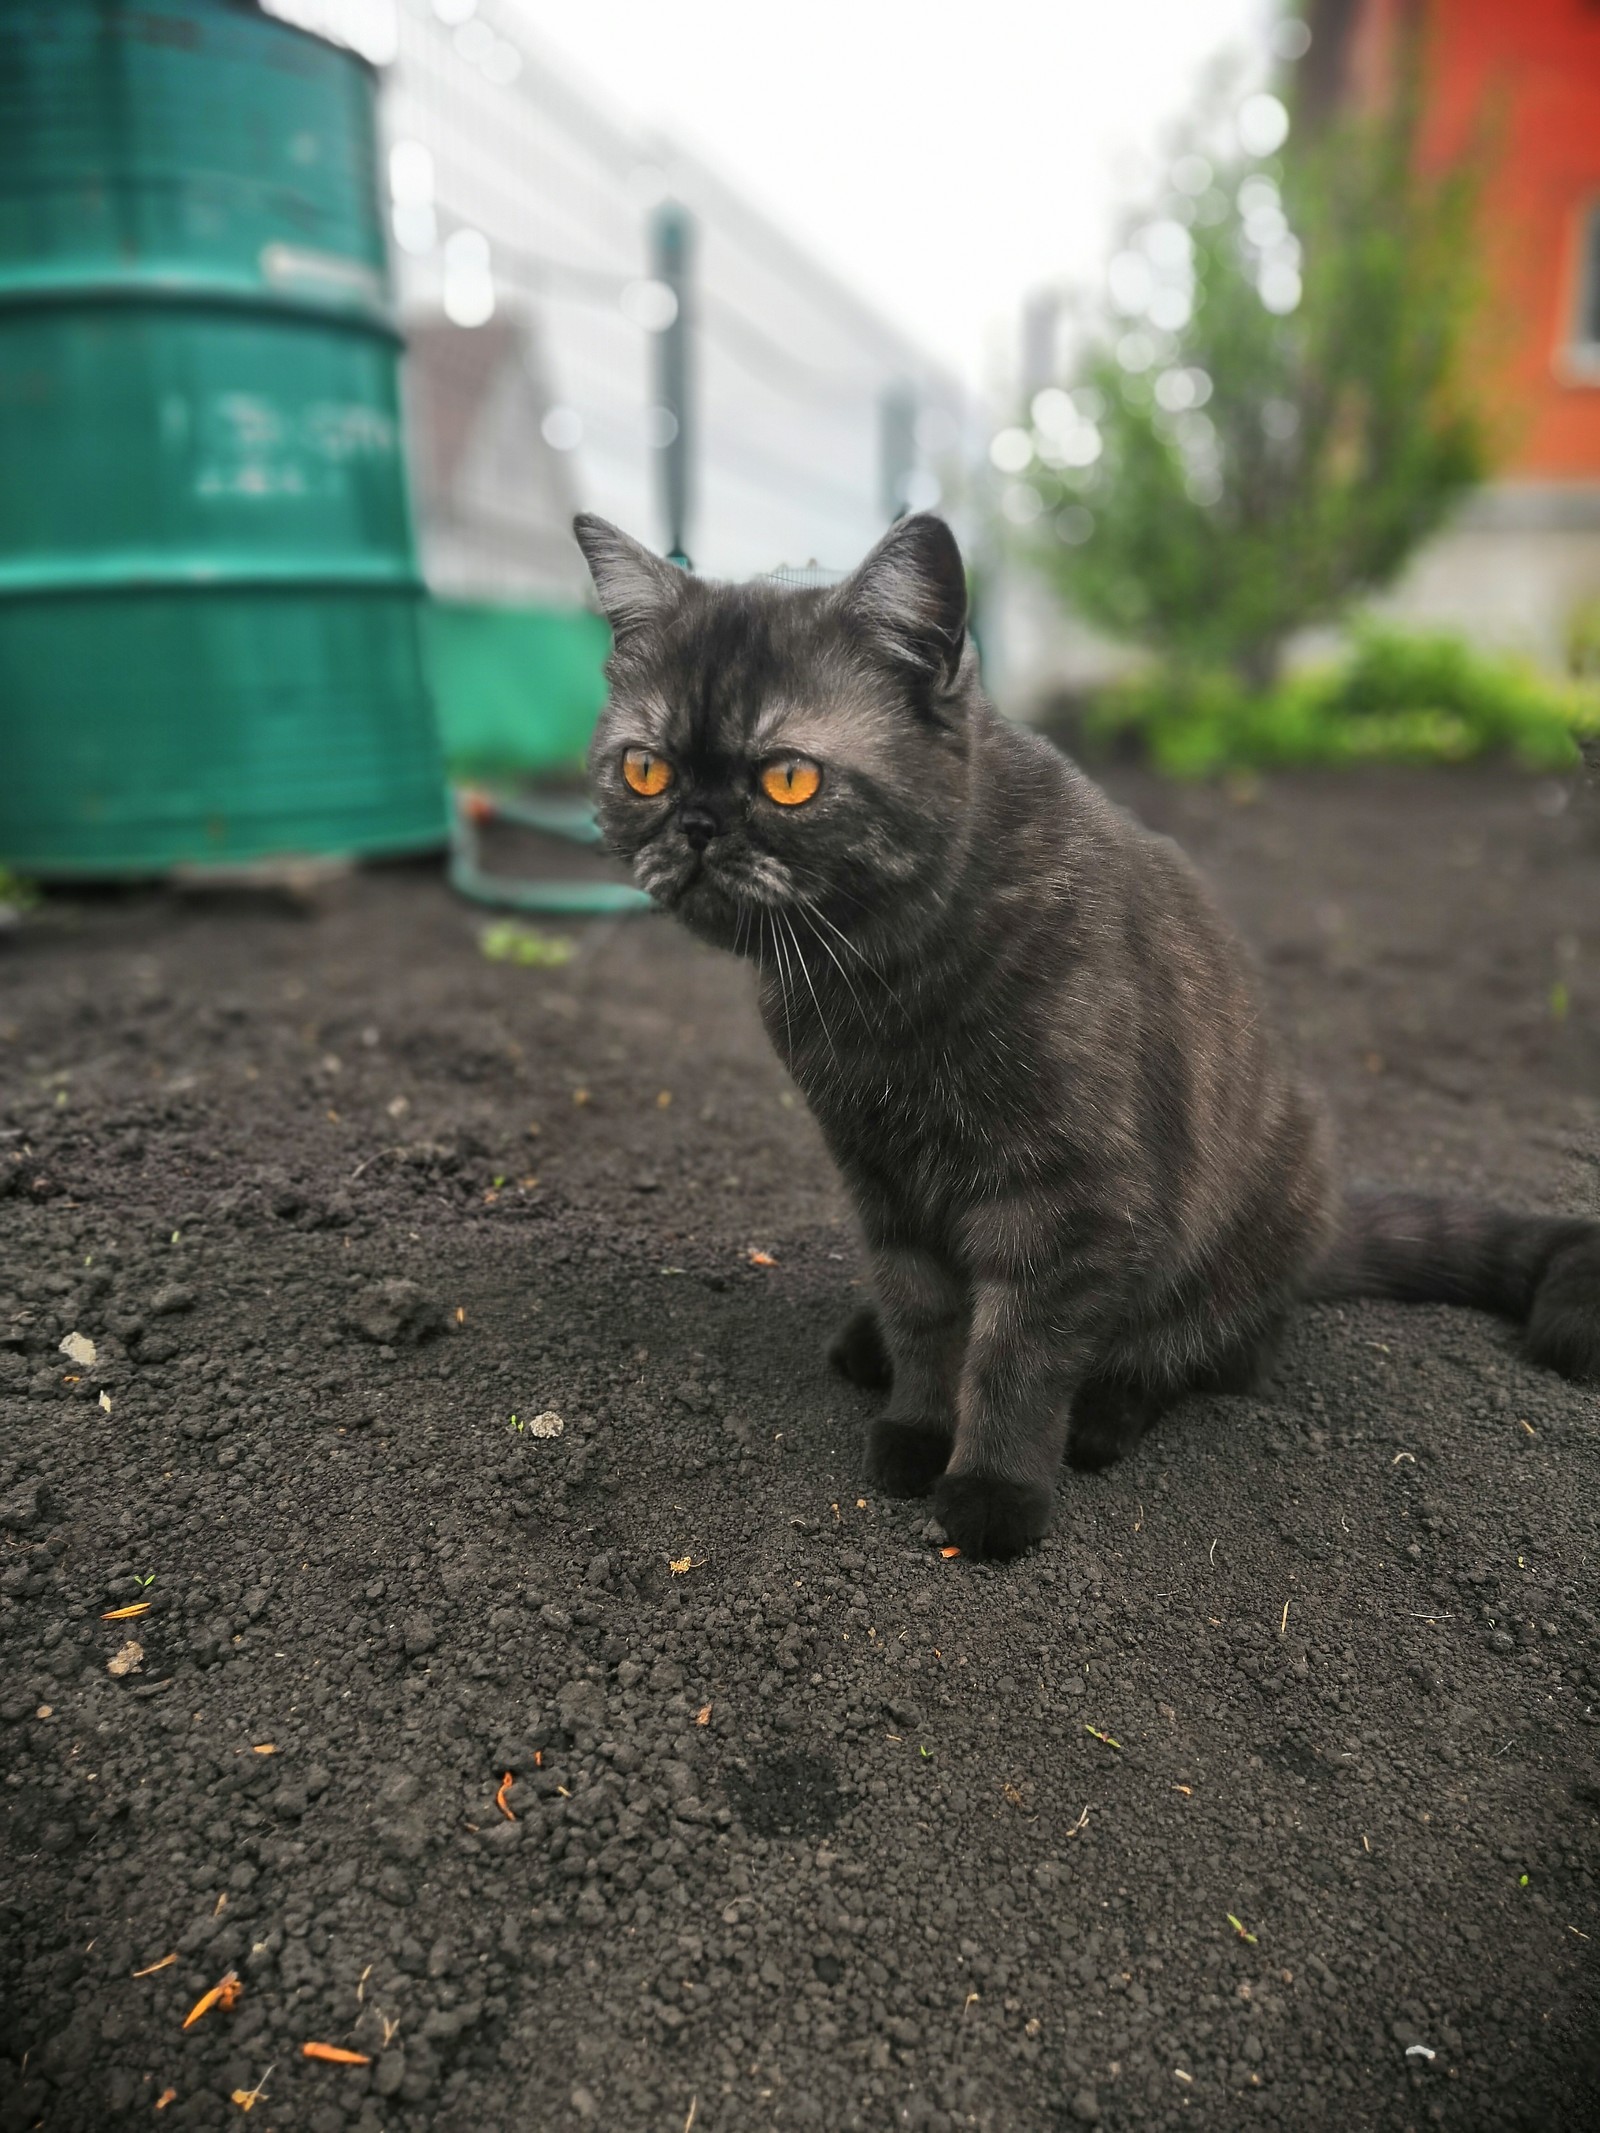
x,y
1583,640
1394,698
1284,398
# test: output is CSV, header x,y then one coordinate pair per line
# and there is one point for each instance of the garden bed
x,y
1269,1787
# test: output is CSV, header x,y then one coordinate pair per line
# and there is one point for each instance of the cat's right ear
x,y
635,588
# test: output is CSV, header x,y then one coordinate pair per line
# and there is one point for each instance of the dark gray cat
x,y
1088,1179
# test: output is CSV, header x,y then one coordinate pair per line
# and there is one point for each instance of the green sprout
x,y
509,942
16,893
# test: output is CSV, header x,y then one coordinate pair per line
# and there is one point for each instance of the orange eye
x,y
646,774
791,781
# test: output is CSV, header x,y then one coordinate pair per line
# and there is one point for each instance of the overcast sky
x,y
944,158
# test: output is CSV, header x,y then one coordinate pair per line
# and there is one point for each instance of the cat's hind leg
x,y
1109,1418
1110,1415
859,1352
1244,1365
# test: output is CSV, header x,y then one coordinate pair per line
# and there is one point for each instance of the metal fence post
x,y
897,447
672,244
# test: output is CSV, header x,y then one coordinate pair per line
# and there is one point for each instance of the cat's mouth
x,y
719,896
696,883
718,908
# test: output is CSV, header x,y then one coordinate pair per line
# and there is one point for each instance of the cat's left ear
x,y
911,594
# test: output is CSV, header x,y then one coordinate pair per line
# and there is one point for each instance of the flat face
x,y
757,758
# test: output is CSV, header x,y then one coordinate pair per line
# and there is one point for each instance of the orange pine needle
x,y
948,1552
126,1614
500,1797
165,1963
167,2096
538,1758
334,2055
762,1259
224,1995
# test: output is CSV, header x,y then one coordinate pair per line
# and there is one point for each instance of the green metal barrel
x,y
210,609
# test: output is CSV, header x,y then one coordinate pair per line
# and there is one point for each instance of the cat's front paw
x,y
906,1458
987,1516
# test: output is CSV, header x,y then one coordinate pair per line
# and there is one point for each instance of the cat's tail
x,y
1542,1271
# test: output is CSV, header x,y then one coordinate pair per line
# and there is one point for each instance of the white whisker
x,y
811,988
845,941
811,916
781,964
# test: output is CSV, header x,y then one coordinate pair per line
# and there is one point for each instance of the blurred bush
x,y
1289,402
1583,640
1394,698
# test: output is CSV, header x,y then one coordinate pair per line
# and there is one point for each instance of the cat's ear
x,y
911,594
634,587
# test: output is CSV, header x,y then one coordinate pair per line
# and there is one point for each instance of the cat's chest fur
x,y
913,1104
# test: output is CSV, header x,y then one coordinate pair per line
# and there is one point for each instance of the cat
x,y
1088,1178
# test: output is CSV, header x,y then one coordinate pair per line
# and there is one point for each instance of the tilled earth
x,y
1266,1791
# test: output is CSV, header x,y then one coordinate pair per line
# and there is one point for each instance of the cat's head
x,y
766,747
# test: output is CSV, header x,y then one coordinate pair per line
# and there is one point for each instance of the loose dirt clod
x,y
395,1313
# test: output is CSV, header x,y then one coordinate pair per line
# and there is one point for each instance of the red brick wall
x,y
1523,78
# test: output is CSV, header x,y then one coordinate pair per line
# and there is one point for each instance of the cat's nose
x,y
699,826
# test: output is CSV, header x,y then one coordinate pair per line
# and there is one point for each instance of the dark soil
x,y
814,1827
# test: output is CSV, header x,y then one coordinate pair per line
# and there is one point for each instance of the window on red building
x,y
1586,326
